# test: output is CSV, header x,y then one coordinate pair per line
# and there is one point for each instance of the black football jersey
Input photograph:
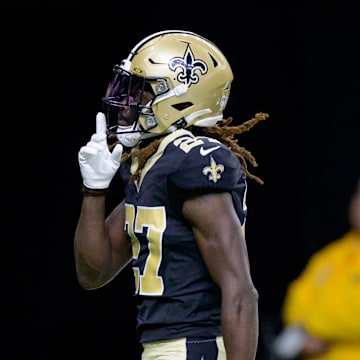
x,y
176,296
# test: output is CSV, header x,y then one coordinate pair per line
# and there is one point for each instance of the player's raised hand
x,y
97,164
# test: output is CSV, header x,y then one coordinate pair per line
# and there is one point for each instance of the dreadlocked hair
x,y
225,134
142,154
222,132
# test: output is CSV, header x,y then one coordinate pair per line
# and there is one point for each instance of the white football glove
x,y
97,164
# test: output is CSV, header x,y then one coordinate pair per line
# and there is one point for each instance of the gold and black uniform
x,y
176,296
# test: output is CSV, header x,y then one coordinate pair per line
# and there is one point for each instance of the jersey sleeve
x,y
209,168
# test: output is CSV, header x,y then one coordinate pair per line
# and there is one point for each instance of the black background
x,y
300,67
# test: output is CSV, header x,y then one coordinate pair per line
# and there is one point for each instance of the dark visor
x,y
123,87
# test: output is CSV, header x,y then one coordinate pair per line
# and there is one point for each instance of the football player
x,y
181,222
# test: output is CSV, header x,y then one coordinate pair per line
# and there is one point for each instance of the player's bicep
x,y
219,236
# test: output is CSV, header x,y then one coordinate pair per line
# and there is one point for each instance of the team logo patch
x,y
190,68
214,171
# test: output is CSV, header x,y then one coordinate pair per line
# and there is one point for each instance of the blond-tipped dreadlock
x,y
225,134
222,132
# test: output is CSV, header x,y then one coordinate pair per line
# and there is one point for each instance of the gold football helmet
x,y
188,75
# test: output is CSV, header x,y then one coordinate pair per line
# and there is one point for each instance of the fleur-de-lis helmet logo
x,y
190,67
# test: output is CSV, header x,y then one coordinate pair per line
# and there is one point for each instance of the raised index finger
x,y
100,123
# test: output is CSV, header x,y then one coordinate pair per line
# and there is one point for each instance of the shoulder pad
x,y
207,165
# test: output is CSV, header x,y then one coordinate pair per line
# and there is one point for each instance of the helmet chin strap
x,y
130,135
126,138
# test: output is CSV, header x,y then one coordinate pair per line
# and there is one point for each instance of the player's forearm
x,y
91,243
240,326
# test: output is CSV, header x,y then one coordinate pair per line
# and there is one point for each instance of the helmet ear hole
x,y
148,88
182,106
